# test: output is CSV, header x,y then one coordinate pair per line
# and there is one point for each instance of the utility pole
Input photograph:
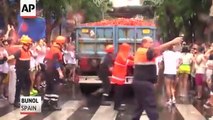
x,y
103,13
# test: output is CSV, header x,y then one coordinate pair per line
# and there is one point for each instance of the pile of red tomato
x,y
122,22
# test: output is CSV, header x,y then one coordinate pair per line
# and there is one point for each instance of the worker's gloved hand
x,y
110,69
131,57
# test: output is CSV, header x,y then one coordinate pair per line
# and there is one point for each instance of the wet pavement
x,y
72,102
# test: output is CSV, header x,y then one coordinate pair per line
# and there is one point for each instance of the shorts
x,y
70,66
208,74
34,69
2,78
6,80
170,76
184,69
199,79
42,67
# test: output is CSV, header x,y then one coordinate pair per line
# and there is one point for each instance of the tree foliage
x,y
182,16
55,10
92,10
8,10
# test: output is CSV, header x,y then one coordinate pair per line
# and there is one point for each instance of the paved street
x,y
72,109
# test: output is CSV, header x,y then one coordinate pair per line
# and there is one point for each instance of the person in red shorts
x,y
200,66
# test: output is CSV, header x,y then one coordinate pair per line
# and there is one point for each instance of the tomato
x,y
122,22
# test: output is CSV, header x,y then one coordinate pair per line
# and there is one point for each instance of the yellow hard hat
x,y
26,39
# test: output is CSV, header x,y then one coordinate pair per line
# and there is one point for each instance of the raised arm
x,y
9,28
176,40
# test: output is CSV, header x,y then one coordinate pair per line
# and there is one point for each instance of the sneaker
x,y
85,108
2,97
173,101
43,84
169,103
54,106
97,92
123,105
207,105
198,98
182,95
33,92
211,118
119,108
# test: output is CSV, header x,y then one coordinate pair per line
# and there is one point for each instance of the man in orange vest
x,y
22,66
53,73
119,73
145,77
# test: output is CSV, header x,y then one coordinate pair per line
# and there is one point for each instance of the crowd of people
x,y
25,65
185,68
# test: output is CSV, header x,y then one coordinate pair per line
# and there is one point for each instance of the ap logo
x,y
28,8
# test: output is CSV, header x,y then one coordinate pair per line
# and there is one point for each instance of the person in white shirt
x,y
70,61
209,76
171,60
12,49
4,66
41,50
33,69
200,67
4,69
193,51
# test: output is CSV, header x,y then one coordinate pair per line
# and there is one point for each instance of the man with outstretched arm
x,y
145,77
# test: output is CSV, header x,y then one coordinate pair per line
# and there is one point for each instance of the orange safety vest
x,y
141,56
120,65
145,69
23,61
25,55
54,50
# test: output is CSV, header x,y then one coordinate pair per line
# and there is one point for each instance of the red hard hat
x,y
109,49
